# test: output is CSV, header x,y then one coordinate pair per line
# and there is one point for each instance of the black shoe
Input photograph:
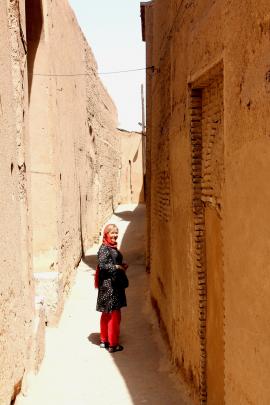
x,y
117,348
104,345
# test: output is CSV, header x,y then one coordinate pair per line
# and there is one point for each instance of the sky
x,y
113,31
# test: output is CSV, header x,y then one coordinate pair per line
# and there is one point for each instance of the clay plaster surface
x,y
132,155
16,288
185,40
75,151
60,173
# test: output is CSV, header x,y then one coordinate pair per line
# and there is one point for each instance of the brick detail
x,y
162,204
212,127
199,227
206,125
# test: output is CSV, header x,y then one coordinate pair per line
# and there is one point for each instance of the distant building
x,y
131,178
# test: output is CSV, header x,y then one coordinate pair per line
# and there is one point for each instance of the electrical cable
x,y
87,74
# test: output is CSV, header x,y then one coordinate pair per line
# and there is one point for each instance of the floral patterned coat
x,y
112,281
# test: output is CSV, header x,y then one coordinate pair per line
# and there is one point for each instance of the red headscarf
x,y
106,237
107,242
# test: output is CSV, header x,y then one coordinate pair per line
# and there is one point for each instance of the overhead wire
x,y
88,74
153,68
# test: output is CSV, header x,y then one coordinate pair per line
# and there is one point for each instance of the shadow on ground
x,y
90,260
141,364
94,338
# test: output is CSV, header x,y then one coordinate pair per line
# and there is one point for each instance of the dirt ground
x,y
75,371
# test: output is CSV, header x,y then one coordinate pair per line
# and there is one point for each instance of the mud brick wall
x,y
208,96
132,155
75,183
60,170
147,32
162,178
16,286
206,131
103,155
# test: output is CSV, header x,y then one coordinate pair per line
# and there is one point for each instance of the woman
x,y
111,281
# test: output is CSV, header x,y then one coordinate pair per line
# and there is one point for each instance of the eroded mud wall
x,y
75,152
16,286
103,153
207,132
60,166
246,217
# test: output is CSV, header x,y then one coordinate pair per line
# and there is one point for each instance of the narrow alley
x,y
182,171
75,371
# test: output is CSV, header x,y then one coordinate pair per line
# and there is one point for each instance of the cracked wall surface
x,y
207,194
75,150
60,173
16,287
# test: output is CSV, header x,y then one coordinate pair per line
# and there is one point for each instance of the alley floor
x,y
75,371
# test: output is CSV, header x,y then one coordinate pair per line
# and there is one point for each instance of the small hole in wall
x,y
11,168
60,176
86,198
22,167
90,130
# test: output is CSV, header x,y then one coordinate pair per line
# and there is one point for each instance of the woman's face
x,y
113,234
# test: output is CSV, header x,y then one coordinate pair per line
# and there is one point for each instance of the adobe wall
x,y
75,167
147,31
173,277
208,112
16,286
104,152
60,166
131,174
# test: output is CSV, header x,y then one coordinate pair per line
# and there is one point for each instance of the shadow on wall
x,y
34,26
133,241
139,362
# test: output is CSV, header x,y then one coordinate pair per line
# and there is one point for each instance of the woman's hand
x,y
123,267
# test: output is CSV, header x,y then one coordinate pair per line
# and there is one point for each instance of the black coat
x,y
112,281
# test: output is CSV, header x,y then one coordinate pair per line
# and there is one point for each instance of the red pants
x,y
110,327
